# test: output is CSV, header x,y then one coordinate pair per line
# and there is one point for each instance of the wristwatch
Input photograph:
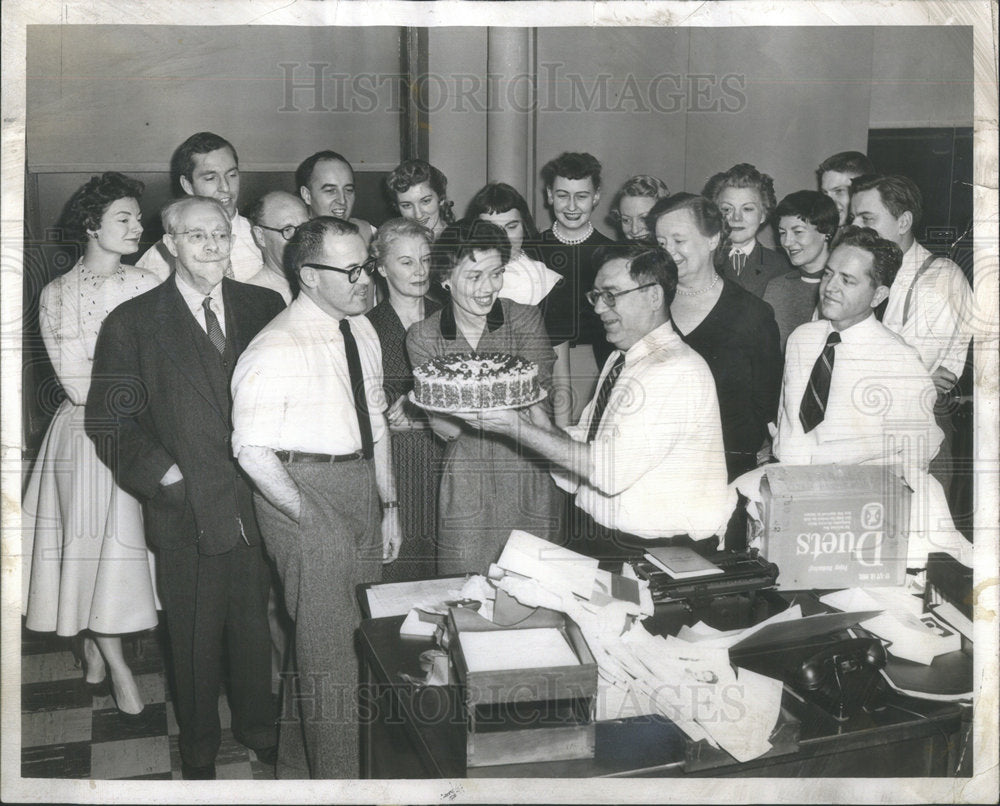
x,y
390,505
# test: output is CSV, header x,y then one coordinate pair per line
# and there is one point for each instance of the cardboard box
x,y
833,526
526,714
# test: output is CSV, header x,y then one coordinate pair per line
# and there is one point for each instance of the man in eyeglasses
x,y
273,220
646,460
159,415
309,429
207,165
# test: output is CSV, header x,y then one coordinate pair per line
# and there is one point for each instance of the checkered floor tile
x,y
68,732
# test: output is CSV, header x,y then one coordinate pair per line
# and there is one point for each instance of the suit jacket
x,y
159,396
762,266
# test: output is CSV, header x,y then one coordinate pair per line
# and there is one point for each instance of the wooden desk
x,y
409,732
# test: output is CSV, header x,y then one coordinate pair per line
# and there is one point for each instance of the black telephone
x,y
844,678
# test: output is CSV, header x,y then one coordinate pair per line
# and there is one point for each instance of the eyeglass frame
x,y
291,228
216,235
610,297
353,274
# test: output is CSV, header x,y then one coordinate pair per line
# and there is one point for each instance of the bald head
x,y
271,213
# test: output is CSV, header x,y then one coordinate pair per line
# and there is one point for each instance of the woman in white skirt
x,y
86,567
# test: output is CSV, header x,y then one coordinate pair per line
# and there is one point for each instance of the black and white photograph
x,y
471,402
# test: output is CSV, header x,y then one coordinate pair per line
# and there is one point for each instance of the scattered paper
x,y
552,565
398,598
912,634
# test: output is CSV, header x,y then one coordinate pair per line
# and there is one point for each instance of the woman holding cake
x,y
403,254
488,487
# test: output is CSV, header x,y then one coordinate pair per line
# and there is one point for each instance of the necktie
x,y
215,334
603,395
358,387
738,260
813,407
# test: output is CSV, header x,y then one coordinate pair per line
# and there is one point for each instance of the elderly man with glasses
x,y
309,429
646,460
159,415
274,217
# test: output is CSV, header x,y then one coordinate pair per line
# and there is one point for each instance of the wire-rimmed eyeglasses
x,y
609,298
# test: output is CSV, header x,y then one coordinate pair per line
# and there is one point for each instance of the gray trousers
x,y
335,546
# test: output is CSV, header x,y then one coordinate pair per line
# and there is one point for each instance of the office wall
x,y
126,96
921,77
455,98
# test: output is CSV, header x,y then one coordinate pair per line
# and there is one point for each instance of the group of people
x,y
238,446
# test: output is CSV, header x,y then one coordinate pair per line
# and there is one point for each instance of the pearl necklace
x,y
572,241
701,291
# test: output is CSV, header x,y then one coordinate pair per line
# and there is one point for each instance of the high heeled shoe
x,y
92,660
115,696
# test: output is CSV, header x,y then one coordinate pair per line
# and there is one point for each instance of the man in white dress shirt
x,y
855,393
309,429
207,165
646,460
274,217
930,302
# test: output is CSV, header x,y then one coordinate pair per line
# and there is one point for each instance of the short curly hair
x,y
394,229
462,239
887,257
414,172
812,207
572,165
743,175
89,203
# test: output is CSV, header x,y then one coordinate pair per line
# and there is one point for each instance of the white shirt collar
x,y
745,249
193,297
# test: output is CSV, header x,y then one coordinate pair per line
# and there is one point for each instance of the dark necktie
x,y
358,387
813,407
215,334
738,260
603,395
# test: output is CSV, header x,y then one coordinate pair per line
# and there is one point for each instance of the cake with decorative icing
x,y
474,381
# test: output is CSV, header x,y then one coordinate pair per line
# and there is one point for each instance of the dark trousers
x,y
216,606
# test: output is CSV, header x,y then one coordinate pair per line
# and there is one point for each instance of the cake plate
x,y
442,410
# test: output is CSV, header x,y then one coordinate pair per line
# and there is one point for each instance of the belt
x,y
316,458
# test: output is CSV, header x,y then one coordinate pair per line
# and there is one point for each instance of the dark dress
x,y
739,341
793,299
416,455
568,316
762,266
489,485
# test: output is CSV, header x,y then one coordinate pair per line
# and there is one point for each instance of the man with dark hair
x,y
573,191
855,393
653,426
274,218
325,181
834,177
930,301
309,429
159,414
206,165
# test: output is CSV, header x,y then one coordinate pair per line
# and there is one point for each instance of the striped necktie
x,y
603,395
813,407
215,334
